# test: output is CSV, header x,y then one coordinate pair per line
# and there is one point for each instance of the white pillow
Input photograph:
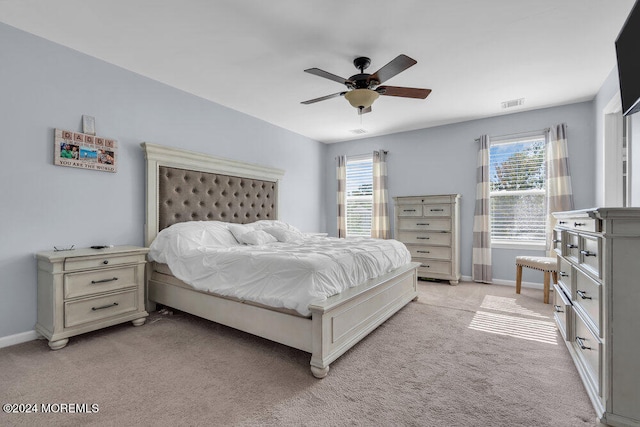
x,y
284,235
264,223
248,236
184,238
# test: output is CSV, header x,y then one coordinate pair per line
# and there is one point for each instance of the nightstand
x,y
87,289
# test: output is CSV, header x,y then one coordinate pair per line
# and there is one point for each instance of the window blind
x,y
518,190
359,196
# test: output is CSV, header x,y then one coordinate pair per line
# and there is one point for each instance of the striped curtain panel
x,y
481,269
380,225
341,174
559,193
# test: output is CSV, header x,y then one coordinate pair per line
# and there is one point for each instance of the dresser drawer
x,y
433,252
91,309
580,224
414,200
436,210
98,281
87,263
565,273
590,259
427,224
410,210
425,238
588,348
588,296
562,311
557,241
428,267
572,246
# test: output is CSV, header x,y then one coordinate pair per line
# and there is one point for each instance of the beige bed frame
x,y
335,325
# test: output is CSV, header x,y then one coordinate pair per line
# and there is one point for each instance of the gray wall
x,y
45,86
442,160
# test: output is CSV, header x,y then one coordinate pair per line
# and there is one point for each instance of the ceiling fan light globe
x,y
361,98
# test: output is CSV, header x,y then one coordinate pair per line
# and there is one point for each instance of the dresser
x,y
430,227
83,290
597,306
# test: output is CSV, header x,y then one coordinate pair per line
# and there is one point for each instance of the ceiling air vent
x,y
513,103
358,131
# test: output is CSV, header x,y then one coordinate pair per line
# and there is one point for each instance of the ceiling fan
x,y
364,88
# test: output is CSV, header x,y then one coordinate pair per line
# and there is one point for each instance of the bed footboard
x,y
343,320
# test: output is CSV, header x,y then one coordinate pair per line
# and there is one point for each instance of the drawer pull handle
x,y
422,223
106,261
580,342
437,210
582,294
562,222
557,308
563,274
424,265
587,253
423,252
422,238
579,224
93,282
102,307
556,240
571,246
409,210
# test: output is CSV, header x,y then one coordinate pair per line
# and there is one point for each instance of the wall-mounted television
x,y
628,53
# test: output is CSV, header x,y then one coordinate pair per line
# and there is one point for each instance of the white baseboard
x,y
18,338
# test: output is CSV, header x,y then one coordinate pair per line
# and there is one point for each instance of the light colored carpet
x,y
469,355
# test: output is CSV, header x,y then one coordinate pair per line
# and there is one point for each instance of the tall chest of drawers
x,y
430,227
597,306
88,289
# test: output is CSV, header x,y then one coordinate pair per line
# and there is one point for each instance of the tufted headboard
x,y
187,186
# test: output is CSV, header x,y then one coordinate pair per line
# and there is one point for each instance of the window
x,y
359,195
518,191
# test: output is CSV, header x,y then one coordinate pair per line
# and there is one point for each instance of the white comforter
x,y
284,275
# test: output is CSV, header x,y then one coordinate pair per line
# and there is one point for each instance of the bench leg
x,y
518,278
547,278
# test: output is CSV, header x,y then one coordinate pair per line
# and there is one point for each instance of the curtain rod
x,y
365,154
513,135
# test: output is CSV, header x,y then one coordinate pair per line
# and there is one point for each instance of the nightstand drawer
x,y
433,252
106,260
92,309
97,281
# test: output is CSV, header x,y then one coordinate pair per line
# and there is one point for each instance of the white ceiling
x,y
249,55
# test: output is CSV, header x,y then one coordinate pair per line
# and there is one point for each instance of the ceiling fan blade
x,y
396,66
327,75
362,111
322,98
405,92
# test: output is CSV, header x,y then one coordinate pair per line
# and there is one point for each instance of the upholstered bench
x,y
549,265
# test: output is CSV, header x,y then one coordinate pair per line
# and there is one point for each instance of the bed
x,y
186,186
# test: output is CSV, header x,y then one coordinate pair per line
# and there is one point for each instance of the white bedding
x,y
291,273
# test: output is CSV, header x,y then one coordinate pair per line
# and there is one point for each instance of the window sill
x,y
530,246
